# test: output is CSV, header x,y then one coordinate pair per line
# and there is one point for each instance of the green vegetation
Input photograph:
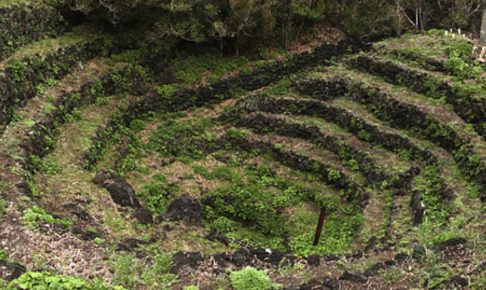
x,y
234,144
182,138
3,207
131,272
45,280
244,21
189,70
156,194
35,215
251,279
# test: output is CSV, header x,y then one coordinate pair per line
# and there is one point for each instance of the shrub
x,y
45,280
155,194
222,225
333,175
251,279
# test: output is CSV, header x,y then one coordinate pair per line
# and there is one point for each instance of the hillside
x,y
116,175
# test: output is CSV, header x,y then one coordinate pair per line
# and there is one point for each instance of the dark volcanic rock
x,y
290,259
314,260
374,269
354,277
331,257
184,208
222,259
260,253
460,281
275,258
357,254
215,237
371,244
130,244
86,233
331,283
313,284
419,252
240,257
451,243
143,216
417,207
448,195
181,259
78,211
400,257
121,192
10,271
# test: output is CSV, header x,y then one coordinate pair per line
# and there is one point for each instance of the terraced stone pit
x,y
107,173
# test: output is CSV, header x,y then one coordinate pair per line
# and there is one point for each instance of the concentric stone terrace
x,y
103,169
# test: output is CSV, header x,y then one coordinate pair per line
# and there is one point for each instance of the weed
x,y
158,275
51,167
392,276
222,225
35,214
156,194
3,207
252,279
333,175
4,186
18,70
45,280
362,134
125,268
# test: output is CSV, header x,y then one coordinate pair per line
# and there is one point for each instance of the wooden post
x,y
320,224
482,36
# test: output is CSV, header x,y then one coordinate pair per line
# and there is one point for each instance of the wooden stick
x,y
320,224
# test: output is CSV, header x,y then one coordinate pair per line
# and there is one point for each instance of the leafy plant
x,y
35,214
333,175
251,279
3,207
155,194
159,275
222,225
45,280
126,268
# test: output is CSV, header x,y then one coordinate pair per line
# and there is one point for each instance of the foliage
x,y
156,194
459,63
251,279
222,225
242,22
3,207
130,272
35,214
255,200
189,70
45,280
159,276
125,268
252,201
176,138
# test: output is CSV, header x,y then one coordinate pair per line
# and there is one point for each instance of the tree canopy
x,y
244,21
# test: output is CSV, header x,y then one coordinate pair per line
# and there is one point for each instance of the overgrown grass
x,y
132,273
